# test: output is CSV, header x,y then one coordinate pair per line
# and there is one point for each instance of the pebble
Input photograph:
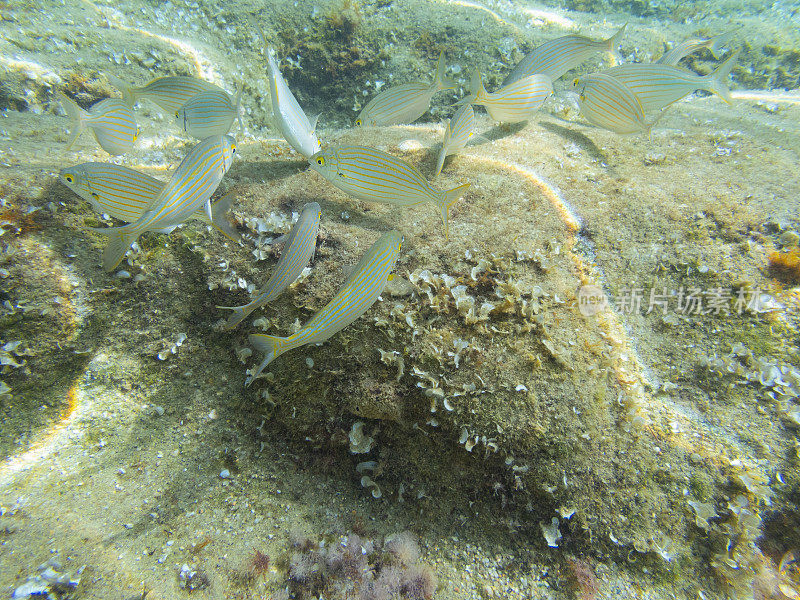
x,y
225,474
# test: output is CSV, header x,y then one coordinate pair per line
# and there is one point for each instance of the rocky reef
x,y
537,449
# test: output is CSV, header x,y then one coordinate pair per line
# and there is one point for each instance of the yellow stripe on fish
x,y
369,174
459,130
125,194
360,291
189,189
556,57
658,85
514,102
404,103
692,45
111,120
290,119
297,253
170,93
208,113
608,103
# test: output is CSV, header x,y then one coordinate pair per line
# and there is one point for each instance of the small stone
x,y
225,474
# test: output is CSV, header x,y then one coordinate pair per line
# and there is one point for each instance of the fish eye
x,y
69,178
95,196
358,122
233,149
576,81
177,114
321,161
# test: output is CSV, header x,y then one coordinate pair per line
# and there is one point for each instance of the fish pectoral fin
x,y
313,121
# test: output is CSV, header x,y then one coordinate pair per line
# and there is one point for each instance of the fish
x,y
369,174
608,103
691,45
404,103
290,119
189,189
359,292
125,194
459,130
111,120
514,102
659,85
297,253
170,93
556,57
209,113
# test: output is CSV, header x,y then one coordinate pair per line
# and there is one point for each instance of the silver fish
x,y
658,85
357,295
514,102
404,103
608,103
290,119
556,57
297,253
111,120
459,130
189,189
209,113
125,194
369,174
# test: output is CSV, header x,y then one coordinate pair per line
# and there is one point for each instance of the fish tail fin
x,y
447,200
719,41
128,94
75,114
716,80
119,242
442,82
272,346
476,90
239,314
613,44
218,211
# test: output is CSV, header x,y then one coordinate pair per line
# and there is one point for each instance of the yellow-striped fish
x,y
658,85
404,103
111,121
297,253
459,130
608,103
209,113
290,119
359,292
369,174
170,93
125,194
514,102
556,57
691,45
189,189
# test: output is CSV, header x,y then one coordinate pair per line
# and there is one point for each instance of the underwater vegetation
x,y
359,568
449,377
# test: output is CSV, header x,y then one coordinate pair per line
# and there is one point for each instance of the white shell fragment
x,y
360,443
551,532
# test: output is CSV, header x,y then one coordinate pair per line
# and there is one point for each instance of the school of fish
x,y
626,99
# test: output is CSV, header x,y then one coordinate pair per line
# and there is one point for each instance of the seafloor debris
x,y
192,578
51,582
360,568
